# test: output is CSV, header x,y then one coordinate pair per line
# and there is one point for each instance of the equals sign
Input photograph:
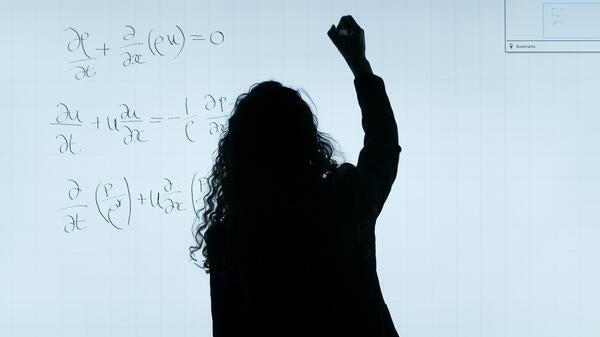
x,y
156,119
197,37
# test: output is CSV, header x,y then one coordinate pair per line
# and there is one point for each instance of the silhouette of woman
x,y
288,234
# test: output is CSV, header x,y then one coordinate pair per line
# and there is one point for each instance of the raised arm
x,y
378,159
377,164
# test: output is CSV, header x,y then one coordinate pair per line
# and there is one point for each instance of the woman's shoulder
x,y
344,182
343,170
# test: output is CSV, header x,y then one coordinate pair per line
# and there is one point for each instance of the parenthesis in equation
x,y
150,44
129,196
183,42
192,195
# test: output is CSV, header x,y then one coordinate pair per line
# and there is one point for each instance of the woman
x,y
289,234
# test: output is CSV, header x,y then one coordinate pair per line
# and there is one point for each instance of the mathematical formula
x,y
130,124
116,202
132,49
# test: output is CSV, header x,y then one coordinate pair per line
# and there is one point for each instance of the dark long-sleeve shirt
x,y
320,276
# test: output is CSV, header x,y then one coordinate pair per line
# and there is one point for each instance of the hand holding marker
x,y
349,38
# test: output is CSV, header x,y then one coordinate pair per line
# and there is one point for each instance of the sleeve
x,y
375,172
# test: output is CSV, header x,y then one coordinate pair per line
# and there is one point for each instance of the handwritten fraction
x,y
130,125
132,48
116,202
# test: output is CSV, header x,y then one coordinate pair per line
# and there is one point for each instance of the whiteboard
x,y
491,228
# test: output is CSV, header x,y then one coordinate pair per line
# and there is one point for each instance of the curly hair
x,y
271,134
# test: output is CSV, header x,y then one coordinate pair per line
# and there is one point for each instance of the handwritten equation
x,y
116,202
132,49
129,124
